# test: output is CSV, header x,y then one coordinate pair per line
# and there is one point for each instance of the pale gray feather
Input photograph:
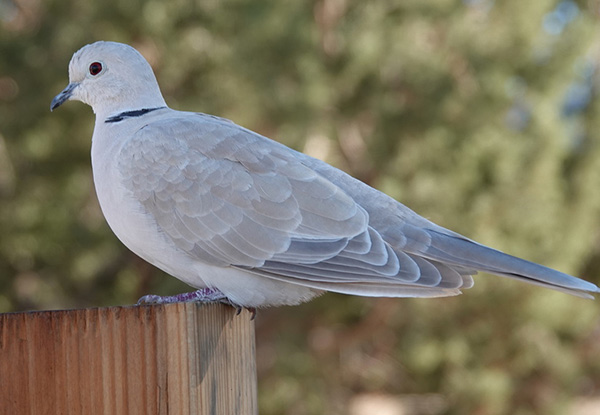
x,y
231,197
223,208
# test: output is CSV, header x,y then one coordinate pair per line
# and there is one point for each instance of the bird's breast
x,y
129,220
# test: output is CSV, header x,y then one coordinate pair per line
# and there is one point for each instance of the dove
x,y
246,220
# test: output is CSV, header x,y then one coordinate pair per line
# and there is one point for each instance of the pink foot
x,y
203,296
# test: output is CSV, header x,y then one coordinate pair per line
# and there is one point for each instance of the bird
x,y
248,221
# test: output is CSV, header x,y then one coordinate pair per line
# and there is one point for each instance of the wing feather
x,y
229,197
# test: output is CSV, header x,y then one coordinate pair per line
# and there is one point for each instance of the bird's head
x,y
110,77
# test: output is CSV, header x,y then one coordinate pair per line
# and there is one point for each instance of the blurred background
x,y
481,115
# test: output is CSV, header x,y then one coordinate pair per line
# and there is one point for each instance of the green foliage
x,y
465,111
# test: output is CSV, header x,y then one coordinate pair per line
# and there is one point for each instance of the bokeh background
x,y
481,115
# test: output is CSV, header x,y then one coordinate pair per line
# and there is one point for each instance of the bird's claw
x,y
203,296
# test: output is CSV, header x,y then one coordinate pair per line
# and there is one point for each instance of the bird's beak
x,y
65,95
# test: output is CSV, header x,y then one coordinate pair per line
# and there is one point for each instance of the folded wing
x,y
229,197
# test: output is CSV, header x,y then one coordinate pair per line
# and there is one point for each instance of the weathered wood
x,y
171,359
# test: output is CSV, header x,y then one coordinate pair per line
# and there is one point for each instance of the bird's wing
x,y
405,231
230,197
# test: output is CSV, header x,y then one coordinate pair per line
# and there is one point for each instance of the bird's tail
x,y
457,250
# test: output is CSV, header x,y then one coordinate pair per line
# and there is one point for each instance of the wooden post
x,y
163,359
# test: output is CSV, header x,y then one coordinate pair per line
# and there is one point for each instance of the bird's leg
x,y
204,296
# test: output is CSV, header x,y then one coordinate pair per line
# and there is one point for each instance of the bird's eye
x,y
95,68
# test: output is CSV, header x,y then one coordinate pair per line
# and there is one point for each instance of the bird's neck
x,y
110,103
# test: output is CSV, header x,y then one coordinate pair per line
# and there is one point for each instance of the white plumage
x,y
221,207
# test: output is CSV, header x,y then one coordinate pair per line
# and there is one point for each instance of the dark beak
x,y
63,96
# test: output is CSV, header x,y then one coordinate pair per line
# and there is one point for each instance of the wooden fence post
x,y
163,359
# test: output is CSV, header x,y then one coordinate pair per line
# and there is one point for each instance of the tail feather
x,y
459,251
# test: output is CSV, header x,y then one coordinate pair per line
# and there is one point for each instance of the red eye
x,y
95,68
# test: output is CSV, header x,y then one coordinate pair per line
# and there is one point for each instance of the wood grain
x,y
165,359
